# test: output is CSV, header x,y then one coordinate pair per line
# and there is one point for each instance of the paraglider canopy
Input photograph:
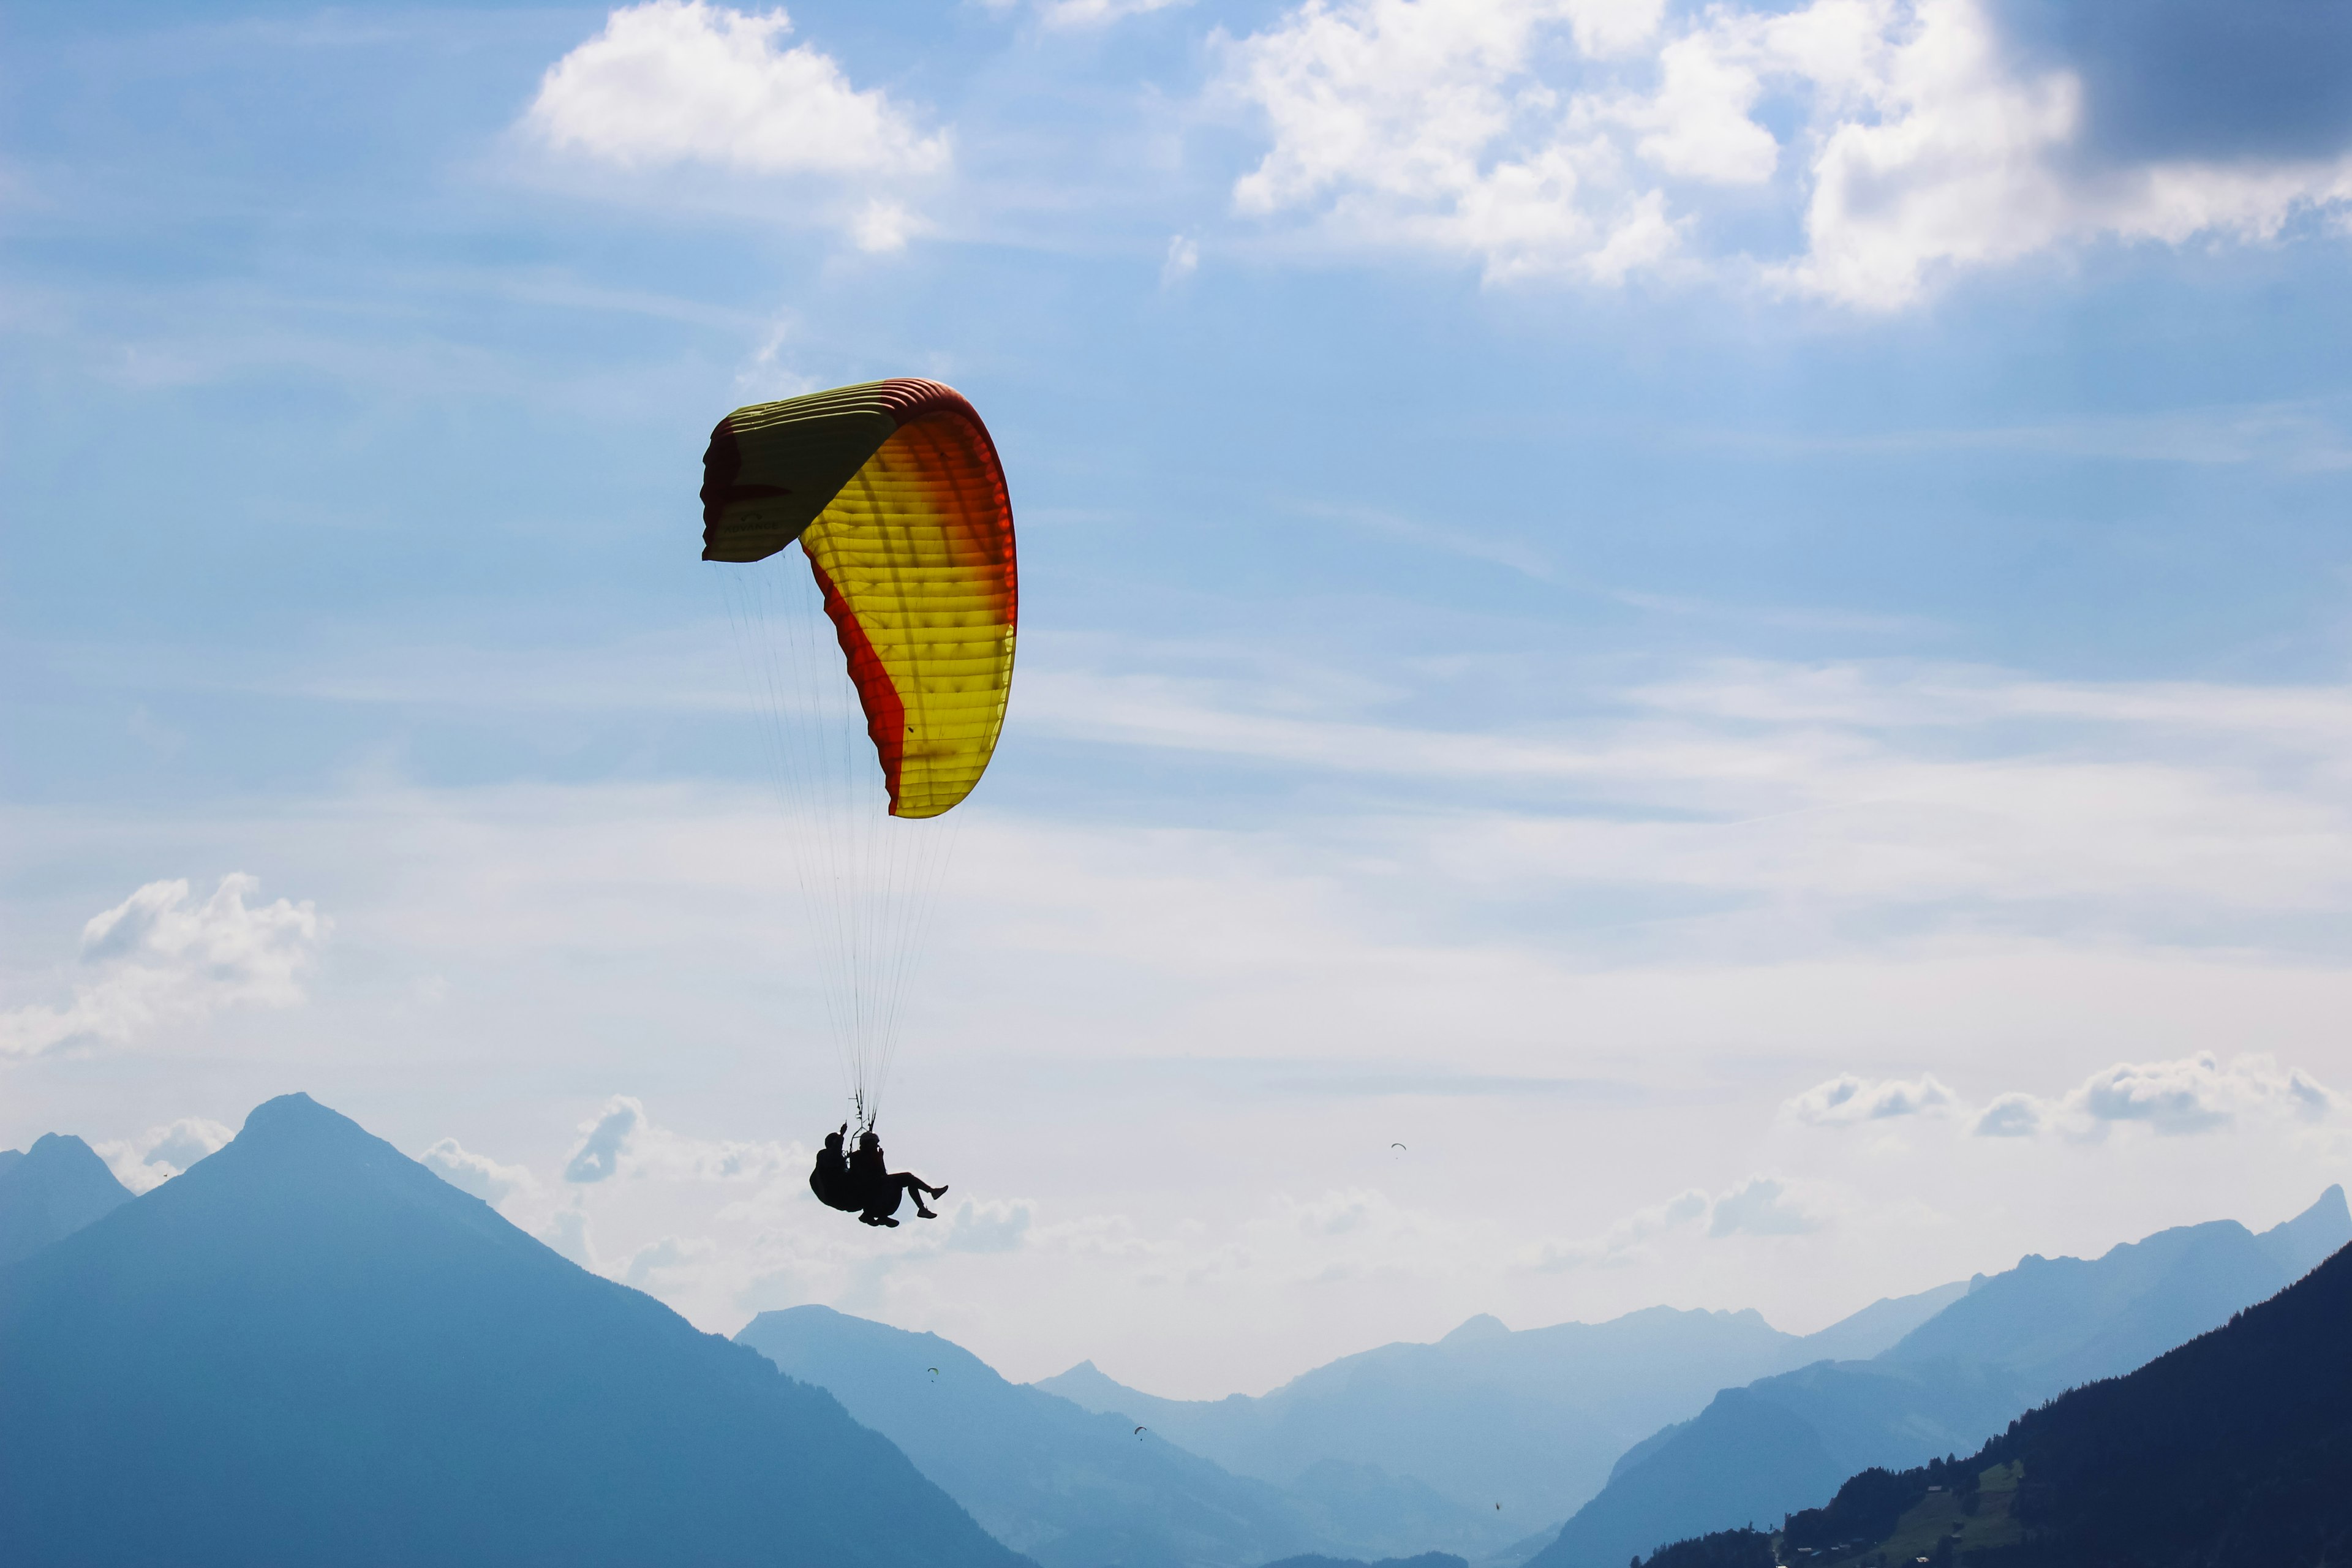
x,y
895,491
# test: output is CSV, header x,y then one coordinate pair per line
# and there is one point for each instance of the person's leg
x,y
910,1183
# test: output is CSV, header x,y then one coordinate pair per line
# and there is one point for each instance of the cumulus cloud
x,y
479,1175
147,1161
1423,122
680,81
566,1232
1589,139
990,1226
2193,1094
598,1156
651,1267
158,957
1847,1098
1621,1242
623,1140
1760,1206
2010,1116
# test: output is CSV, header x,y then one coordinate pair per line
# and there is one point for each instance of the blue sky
x,y
1650,601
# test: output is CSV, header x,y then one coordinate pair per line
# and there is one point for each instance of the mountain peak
x,y
52,1190
295,1115
1485,1326
2302,1243
309,1329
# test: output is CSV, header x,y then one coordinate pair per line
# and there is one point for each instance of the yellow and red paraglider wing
x,y
915,558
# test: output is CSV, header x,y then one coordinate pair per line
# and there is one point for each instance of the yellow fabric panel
x,y
915,557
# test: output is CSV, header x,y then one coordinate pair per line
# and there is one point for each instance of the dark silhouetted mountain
x,y
1071,1488
1784,1442
50,1191
2233,1448
1740,1548
2236,1447
1532,1420
309,1349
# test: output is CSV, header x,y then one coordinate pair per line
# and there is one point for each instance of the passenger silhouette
x,y
834,1187
880,1188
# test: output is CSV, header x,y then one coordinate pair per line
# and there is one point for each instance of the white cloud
x,y
598,1156
1622,1243
479,1175
1183,260
147,1161
1847,1098
652,1267
2192,1094
990,1225
882,226
681,81
157,958
1472,127
623,1140
1760,1206
1421,123
1098,13
2010,1115
566,1232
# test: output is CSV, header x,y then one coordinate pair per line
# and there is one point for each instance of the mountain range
x,y
2235,1448
2010,1342
1532,1420
1069,1488
50,1191
311,1349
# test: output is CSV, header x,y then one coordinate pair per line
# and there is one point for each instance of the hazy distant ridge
x,y
1533,1419
2015,1339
